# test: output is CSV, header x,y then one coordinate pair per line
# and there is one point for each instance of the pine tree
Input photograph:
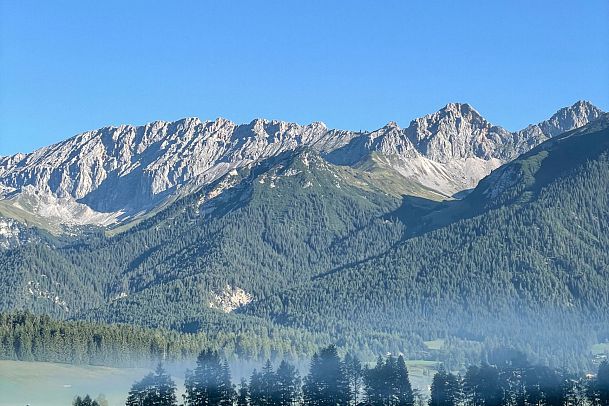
x,y
354,372
226,388
445,389
206,385
598,393
165,388
155,389
482,386
602,383
86,401
243,398
255,389
327,383
374,383
288,384
404,389
269,385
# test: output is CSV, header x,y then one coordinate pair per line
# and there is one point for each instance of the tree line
x,y
336,381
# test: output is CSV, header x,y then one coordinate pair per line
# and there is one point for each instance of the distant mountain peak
x,y
459,108
567,118
113,173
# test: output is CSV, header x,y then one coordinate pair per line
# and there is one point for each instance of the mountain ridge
x,y
115,174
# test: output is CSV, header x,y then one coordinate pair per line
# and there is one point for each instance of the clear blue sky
x,y
71,66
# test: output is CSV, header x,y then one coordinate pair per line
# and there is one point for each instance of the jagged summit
x,y
575,116
114,173
459,108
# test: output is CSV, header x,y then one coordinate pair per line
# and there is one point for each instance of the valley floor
x,y
51,384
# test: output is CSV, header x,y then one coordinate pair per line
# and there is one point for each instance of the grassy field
x,y
434,344
600,348
421,373
49,384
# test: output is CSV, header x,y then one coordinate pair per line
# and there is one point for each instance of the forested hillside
x,y
303,249
529,268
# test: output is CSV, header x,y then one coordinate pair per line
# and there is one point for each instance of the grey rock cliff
x,y
114,173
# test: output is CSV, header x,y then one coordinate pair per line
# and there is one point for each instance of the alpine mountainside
x,y
523,256
309,236
116,174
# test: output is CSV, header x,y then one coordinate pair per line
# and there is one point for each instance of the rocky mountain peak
x,y
456,131
113,173
460,109
567,118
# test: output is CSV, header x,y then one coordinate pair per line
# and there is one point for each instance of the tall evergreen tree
x,y
155,389
288,384
326,384
445,389
482,386
388,383
402,383
354,372
602,383
209,384
598,393
269,385
243,397
256,389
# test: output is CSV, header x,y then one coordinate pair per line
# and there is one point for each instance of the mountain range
x,y
117,174
451,229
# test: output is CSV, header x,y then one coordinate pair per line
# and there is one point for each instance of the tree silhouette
x,y
155,389
288,384
445,389
210,382
326,384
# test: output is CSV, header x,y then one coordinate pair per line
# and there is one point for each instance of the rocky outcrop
x,y
115,173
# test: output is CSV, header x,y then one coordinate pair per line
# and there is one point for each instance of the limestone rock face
x,y
115,173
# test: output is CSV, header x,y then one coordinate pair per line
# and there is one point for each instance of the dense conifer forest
x,y
332,381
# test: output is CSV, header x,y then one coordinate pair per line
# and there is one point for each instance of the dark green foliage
x,y
209,383
355,376
288,384
482,386
86,401
388,383
258,395
445,389
156,389
28,337
598,391
530,272
243,396
327,383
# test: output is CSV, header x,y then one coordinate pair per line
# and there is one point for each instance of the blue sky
x,y
71,66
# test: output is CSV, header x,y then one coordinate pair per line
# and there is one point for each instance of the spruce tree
x,y
404,389
482,386
288,384
155,389
327,383
353,369
206,385
255,389
445,389
243,398
598,392
86,401
602,383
